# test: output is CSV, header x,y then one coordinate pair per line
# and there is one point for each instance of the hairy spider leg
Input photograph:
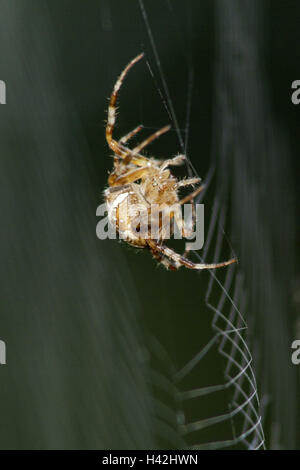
x,y
179,260
128,177
140,161
117,147
191,196
175,161
188,182
186,232
130,134
177,215
187,250
133,156
150,139
113,144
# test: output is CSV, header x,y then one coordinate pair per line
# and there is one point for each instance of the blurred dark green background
x,y
94,331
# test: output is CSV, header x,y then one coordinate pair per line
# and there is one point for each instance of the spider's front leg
x,y
113,144
133,156
129,156
130,134
150,139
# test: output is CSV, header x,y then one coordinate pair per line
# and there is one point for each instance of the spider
x,y
141,182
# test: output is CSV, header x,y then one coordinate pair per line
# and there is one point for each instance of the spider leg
x,y
175,213
181,223
114,145
128,155
117,147
114,189
139,160
186,253
150,139
192,195
178,260
128,177
133,156
130,134
189,231
184,229
178,160
188,182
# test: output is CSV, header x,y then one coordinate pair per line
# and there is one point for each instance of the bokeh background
x,y
95,332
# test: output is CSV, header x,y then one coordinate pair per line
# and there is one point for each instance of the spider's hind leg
x,y
177,260
162,259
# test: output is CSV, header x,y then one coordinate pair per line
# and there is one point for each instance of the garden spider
x,y
141,182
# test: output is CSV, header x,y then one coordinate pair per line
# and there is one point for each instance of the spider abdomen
x,y
127,215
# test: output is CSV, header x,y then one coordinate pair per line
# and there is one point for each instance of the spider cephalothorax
x,y
142,190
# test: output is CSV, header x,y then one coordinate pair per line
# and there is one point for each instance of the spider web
x,y
225,299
